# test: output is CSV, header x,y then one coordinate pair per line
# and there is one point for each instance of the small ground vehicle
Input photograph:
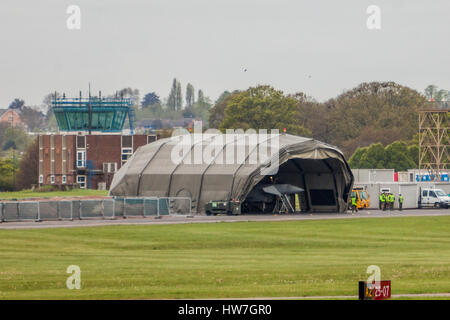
x,y
362,197
436,198
230,207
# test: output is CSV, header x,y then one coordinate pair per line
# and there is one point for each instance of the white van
x,y
430,197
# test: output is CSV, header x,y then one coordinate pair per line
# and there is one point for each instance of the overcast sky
x,y
320,47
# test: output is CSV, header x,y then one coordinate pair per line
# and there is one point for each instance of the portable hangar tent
x,y
316,167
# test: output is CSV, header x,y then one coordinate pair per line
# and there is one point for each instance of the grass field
x,y
33,194
216,260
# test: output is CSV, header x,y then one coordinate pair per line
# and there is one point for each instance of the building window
x,y
64,179
81,159
127,141
81,180
151,138
127,148
41,179
109,167
10,118
126,154
81,142
52,179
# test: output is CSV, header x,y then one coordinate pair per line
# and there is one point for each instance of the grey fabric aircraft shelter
x,y
318,168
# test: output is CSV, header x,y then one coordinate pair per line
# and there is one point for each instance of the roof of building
x,y
2,111
105,114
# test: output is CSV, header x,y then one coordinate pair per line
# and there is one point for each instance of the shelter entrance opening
x,y
301,185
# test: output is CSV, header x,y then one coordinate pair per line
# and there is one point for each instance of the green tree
x,y
413,153
217,113
224,95
200,109
190,95
3,127
372,112
150,99
172,99
373,158
32,118
263,107
312,115
200,96
16,138
7,173
17,104
442,95
130,93
355,159
433,92
47,101
397,157
27,174
178,97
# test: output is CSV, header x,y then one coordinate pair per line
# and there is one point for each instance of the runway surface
x,y
362,214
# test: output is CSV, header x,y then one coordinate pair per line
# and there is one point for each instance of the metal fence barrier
x,y
48,210
65,210
151,207
97,209
28,210
145,207
10,211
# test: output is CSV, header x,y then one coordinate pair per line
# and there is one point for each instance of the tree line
x,y
375,124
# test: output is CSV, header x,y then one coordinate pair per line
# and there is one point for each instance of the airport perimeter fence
x,y
126,207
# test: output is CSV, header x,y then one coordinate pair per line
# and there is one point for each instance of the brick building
x,y
86,160
12,117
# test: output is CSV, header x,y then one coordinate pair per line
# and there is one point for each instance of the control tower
x,y
93,114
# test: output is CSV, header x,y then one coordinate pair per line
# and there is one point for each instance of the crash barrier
x,y
110,208
144,207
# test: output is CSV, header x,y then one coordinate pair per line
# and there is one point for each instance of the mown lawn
x,y
243,259
34,194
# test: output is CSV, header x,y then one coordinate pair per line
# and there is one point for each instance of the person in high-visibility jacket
x,y
400,202
354,206
391,200
382,201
